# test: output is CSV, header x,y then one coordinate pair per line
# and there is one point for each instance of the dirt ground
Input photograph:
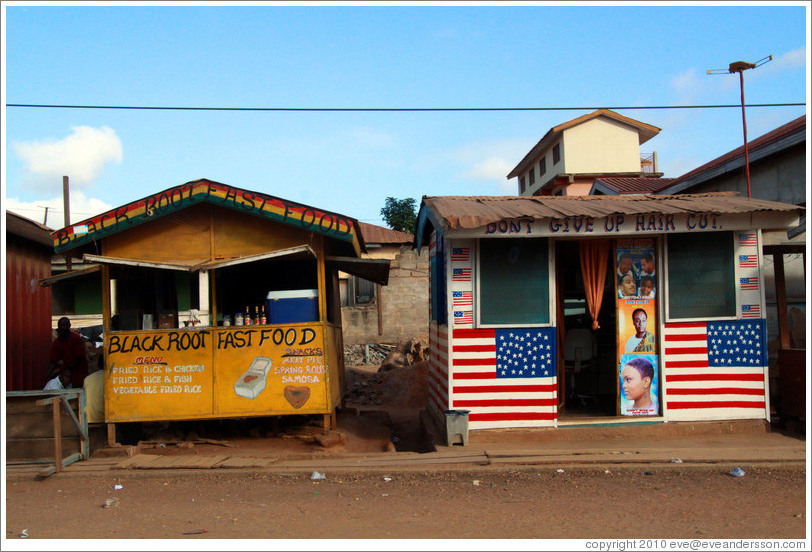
x,y
678,503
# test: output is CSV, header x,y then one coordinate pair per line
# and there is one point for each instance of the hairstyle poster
x,y
637,327
639,385
636,268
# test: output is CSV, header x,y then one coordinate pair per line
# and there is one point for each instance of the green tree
x,y
400,214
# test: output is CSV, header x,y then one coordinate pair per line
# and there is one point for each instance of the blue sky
x,y
371,56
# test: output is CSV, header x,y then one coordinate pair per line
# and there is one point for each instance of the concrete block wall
x,y
404,304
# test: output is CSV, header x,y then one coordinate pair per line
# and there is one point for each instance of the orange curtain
x,y
594,257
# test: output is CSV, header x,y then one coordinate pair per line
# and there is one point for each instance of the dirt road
x,y
526,503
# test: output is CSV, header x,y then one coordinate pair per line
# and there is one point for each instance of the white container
x,y
252,382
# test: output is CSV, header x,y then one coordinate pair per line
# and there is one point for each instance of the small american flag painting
x,y
751,311
748,261
748,240
461,275
463,298
463,317
460,254
748,283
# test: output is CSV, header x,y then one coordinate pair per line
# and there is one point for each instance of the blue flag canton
x,y
525,353
739,343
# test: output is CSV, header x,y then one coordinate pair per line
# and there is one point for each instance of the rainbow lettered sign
x,y
168,201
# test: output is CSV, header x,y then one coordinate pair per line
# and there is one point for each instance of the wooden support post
x,y
111,435
781,300
330,420
380,309
57,436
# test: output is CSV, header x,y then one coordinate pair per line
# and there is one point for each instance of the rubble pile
x,y
401,379
371,353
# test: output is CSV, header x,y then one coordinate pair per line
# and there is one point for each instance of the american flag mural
x,y
747,284
460,274
715,370
504,377
463,317
462,298
462,285
462,254
749,290
749,239
748,261
438,368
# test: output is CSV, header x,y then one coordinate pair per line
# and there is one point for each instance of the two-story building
x,y
570,156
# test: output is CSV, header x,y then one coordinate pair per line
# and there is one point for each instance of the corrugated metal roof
x,y
380,234
19,225
469,212
797,125
633,185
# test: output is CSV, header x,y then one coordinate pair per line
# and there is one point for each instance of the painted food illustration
x,y
297,396
252,382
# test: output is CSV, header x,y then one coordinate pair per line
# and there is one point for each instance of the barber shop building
x,y
549,311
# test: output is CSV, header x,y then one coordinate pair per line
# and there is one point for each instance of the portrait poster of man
x,y
636,268
639,385
637,326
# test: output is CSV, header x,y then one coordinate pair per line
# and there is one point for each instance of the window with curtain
x,y
701,275
514,281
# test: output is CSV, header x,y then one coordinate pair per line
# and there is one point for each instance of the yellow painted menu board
x,y
216,372
271,369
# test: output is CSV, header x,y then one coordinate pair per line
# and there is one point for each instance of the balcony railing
x,y
648,163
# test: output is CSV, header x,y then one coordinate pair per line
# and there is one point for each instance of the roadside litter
x,y
195,532
111,503
316,476
117,487
737,472
24,534
676,461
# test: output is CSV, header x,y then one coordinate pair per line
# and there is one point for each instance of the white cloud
x,y
81,208
81,156
791,60
491,161
370,138
492,168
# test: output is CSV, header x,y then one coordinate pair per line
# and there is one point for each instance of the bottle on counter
x,y
226,320
262,317
238,320
247,317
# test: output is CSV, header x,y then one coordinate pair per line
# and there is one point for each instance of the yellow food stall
x,y
220,302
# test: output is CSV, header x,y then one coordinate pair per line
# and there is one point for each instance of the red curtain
x,y
594,256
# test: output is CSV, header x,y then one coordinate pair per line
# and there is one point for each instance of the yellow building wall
x,y
600,145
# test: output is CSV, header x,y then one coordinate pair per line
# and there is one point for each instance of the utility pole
x,y
66,203
740,67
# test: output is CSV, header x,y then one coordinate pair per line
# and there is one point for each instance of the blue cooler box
x,y
293,305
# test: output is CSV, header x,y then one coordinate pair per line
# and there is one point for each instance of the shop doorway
x,y
587,382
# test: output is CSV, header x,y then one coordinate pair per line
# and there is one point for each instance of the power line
x,y
392,109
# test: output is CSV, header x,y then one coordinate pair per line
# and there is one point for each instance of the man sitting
x,y
61,381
